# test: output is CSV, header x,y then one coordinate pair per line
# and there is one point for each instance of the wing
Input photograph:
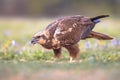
x,y
71,30
86,31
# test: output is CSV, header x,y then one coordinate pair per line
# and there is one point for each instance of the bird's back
x,y
69,30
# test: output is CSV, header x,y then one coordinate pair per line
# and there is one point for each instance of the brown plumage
x,y
67,32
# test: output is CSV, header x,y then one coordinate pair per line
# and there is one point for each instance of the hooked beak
x,y
34,41
38,40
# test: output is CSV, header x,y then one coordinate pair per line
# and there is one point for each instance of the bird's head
x,y
40,38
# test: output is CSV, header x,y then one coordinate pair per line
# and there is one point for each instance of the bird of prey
x,y
67,32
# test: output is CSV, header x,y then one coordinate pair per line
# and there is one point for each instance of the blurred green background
x,y
20,60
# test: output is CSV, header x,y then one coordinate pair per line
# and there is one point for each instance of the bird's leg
x,y
74,52
57,53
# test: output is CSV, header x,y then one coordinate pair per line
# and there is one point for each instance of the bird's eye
x,y
38,37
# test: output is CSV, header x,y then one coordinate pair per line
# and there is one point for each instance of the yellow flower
x,y
7,44
101,43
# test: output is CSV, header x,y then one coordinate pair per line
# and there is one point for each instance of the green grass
x,y
18,56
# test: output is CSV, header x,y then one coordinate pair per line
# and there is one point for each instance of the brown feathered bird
x,y
67,32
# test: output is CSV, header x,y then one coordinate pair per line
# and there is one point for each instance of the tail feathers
x,y
98,17
99,36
